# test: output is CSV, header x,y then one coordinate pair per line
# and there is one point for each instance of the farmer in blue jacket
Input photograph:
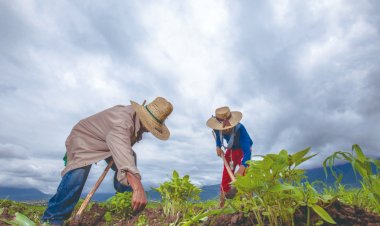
x,y
227,127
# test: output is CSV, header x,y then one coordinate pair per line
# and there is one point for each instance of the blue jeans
x,y
61,205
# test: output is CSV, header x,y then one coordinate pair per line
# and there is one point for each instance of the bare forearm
x,y
219,151
134,181
138,198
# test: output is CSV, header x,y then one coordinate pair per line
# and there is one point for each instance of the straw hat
x,y
153,116
224,119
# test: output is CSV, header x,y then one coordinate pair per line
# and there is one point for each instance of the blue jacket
x,y
242,140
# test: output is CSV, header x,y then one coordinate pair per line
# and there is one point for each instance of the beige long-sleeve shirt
x,y
111,132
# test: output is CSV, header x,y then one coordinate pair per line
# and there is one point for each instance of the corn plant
x,y
350,196
268,189
177,194
363,165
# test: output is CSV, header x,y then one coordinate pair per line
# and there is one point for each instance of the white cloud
x,y
302,73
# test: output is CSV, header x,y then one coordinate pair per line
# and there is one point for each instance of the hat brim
x,y
157,129
213,123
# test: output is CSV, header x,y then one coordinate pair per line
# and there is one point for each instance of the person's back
x,y
99,124
90,139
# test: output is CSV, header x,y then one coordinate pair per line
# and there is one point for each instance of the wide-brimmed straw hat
x,y
153,116
224,119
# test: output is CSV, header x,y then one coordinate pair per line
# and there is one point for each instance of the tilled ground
x,y
345,215
341,213
95,216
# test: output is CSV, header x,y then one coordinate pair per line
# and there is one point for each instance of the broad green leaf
x,y
323,214
305,159
298,172
320,222
265,164
19,220
313,200
280,187
175,174
283,157
299,155
283,152
271,156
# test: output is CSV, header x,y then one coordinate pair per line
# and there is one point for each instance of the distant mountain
x,y
22,194
208,192
346,170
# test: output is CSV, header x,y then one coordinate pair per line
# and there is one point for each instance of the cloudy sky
x,y
303,73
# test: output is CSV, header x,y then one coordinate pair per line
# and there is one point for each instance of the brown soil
x,y
95,216
5,215
341,213
230,219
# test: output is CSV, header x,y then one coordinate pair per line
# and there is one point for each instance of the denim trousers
x,y
61,205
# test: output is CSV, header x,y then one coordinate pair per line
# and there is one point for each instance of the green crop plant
x,y
33,212
142,221
307,196
108,217
350,196
268,187
206,205
118,205
203,216
19,219
363,165
177,194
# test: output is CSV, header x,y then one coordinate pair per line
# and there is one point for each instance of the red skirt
x,y
237,156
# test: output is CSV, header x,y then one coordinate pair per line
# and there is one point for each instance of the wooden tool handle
x,y
91,193
228,168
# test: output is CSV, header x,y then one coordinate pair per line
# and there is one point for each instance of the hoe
x,y
78,216
232,192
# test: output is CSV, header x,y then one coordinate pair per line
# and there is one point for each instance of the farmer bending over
x,y
226,126
109,134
